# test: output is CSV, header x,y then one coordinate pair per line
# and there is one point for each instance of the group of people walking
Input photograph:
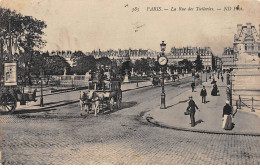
x,y
227,109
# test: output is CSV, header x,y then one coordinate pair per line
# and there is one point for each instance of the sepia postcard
x,y
129,82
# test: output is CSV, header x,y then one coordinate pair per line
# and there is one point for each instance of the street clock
x,y
163,60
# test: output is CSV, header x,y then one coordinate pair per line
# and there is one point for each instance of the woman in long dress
x,y
227,116
214,91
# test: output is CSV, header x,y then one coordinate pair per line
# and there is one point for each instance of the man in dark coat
x,y
192,86
192,108
203,94
222,78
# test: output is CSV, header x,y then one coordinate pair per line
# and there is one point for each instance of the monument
x,y
126,79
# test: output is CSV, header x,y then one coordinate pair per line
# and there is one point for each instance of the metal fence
x,y
73,80
250,103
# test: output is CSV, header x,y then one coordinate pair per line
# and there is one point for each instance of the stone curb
x,y
162,125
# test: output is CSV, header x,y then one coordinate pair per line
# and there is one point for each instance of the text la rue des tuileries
x,y
225,8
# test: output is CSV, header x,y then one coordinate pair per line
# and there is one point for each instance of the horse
x,y
89,99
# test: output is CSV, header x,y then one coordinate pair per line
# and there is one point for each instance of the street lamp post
x,y
137,80
201,75
206,75
231,87
163,62
41,99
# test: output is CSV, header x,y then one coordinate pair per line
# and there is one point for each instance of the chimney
x,y
248,27
239,28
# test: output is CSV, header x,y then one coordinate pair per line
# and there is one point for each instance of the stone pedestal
x,y
126,79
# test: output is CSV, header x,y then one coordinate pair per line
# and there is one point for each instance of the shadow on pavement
x,y
124,105
199,121
33,111
183,101
46,104
23,111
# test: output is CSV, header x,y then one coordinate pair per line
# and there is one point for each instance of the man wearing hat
x,y
203,94
192,108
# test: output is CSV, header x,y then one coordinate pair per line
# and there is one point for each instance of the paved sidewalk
x,y
208,119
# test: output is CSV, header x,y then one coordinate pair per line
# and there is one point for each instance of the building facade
x,y
247,39
118,55
228,58
191,53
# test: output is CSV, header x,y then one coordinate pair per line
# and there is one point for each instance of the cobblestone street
x,y
62,136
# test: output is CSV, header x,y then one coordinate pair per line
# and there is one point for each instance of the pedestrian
x,y
203,94
192,108
173,77
228,92
215,90
227,116
192,86
222,78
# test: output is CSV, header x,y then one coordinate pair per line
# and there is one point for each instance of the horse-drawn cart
x,y
10,96
108,97
104,91
11,92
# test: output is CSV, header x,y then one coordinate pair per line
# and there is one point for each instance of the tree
x,y
76,56
38,63
198,63
84,64
25,32
186,64
141,66
104,61
156,67
55,65
127,65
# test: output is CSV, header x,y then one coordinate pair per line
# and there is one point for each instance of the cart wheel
x,y
7,103
111,104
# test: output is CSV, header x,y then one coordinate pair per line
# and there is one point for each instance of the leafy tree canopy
x,y
55,65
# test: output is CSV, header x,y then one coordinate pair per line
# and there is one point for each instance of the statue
x,y
126,76
65,71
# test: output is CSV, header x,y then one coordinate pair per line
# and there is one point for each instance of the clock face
x,y
163,60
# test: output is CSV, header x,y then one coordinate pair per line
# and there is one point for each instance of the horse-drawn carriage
x,y
11,92
9,96
104,93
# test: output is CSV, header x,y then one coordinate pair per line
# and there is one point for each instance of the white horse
x,y
89,100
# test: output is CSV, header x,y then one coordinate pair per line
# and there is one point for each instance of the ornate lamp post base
x,y
41,102
163,106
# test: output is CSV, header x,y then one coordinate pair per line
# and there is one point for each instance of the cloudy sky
x,y
110,24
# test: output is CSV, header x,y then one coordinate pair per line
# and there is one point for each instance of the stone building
x,y
247,39
191,53
120,54
228,58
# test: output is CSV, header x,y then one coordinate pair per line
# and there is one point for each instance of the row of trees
x,y
56,65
